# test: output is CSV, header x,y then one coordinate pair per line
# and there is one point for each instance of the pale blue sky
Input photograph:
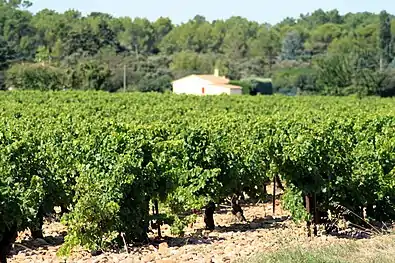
x,y
271,11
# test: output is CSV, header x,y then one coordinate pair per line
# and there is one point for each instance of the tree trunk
x,y
156,205
274,196
264,190
381,63
315,214
308,208
64,209
37,230
279,184
9,237
237,210
209,216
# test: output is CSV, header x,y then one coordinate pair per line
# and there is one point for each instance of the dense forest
x,y
317,53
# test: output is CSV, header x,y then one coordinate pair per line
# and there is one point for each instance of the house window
x,y
203,90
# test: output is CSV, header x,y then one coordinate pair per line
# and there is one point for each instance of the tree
x,y
237,46
387,84
162,27
17,3
7,54
155,84
138,35
188,62
266,44
385,40
334,72
292,46
239,32
81,42
322,36
42,55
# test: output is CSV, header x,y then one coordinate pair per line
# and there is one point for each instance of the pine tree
x,y
385,40
292,46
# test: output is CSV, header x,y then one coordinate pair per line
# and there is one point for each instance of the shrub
x,y
88,75
35,77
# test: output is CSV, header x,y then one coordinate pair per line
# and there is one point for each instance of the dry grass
x,y
380,249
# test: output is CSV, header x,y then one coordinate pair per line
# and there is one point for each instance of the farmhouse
x,y
205,85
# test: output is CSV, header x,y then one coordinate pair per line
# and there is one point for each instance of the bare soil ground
x,y
231,241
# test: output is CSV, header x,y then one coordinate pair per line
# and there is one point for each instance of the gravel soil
x,y
229,242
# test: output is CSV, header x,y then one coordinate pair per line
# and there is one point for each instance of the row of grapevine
x,y
104,158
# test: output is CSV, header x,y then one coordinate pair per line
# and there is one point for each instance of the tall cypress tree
x,y
385,40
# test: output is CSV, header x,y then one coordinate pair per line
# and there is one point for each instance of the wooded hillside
x,y
320,52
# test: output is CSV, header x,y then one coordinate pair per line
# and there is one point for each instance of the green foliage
x,y
348,74
22,179
7,54
35,77
85,76
260,86
387,83
155,83
105,157
293,80
348,251
293,201
292,46
179,225
42,55
99,45
90,75
245,85
385,39
254,86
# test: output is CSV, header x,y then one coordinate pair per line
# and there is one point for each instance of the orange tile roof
x,y
214,79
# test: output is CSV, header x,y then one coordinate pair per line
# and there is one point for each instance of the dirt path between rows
x,y
230,241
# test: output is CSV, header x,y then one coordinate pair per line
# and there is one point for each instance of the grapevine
x,y
107,158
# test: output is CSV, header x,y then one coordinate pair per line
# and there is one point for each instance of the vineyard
x,y
106,159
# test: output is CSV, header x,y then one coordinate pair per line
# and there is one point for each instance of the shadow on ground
x,y
183,241
202,236
257,223
225,207
199,237
34,244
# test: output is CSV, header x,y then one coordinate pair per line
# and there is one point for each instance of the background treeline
x,y
318,53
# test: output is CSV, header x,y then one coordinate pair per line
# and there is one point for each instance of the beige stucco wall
x,y
189,85
236,92
193,85
216,90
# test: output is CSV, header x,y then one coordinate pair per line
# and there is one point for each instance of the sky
x,y
271,11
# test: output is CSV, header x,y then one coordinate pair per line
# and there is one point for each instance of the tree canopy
x,y
157,51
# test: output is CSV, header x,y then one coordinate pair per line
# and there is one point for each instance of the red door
x,y
203,90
